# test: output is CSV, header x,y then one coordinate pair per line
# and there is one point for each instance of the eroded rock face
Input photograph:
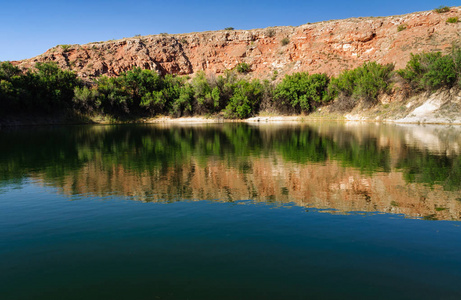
x,y
326,47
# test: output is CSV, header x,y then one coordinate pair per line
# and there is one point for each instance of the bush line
x,y
144,93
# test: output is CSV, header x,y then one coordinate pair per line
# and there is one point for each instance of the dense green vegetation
x,y
365,82
432,71
46,89
302,91
144,93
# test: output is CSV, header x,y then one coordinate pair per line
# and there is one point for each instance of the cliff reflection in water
x,y
409,170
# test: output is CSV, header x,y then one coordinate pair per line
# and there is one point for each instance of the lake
x,y
230,211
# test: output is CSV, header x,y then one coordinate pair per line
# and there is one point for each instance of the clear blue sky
x,y
28,28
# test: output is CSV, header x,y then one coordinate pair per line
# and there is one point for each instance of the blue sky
x,y
29,28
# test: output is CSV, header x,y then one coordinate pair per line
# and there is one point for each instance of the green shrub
x,y
456,55
175,96
442,9
453,20
430,71
365,82
245,100
167,95
302,91
8,96
45,89
7,70
401,27
207,99
229,28
112,96
440,73
223,89
133,92
270,32
183,103
55,84
243,67
285,41
85,99
65,48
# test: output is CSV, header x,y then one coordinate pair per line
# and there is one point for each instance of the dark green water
x,y
230,211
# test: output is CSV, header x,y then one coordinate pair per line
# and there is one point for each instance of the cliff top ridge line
x,y
324,47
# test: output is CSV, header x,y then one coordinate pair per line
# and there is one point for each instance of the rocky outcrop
x,y
325,47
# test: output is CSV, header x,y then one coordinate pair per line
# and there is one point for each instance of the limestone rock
x,y
325,47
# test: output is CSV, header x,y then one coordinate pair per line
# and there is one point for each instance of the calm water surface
x,y
230,211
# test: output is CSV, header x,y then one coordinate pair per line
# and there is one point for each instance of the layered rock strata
x,y
324,47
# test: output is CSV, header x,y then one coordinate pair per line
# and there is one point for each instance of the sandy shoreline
x,y
302,119
214,120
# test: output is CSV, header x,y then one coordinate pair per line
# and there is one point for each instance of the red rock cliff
x,y
325,47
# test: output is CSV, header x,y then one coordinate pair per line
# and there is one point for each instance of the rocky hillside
x,y
325,47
